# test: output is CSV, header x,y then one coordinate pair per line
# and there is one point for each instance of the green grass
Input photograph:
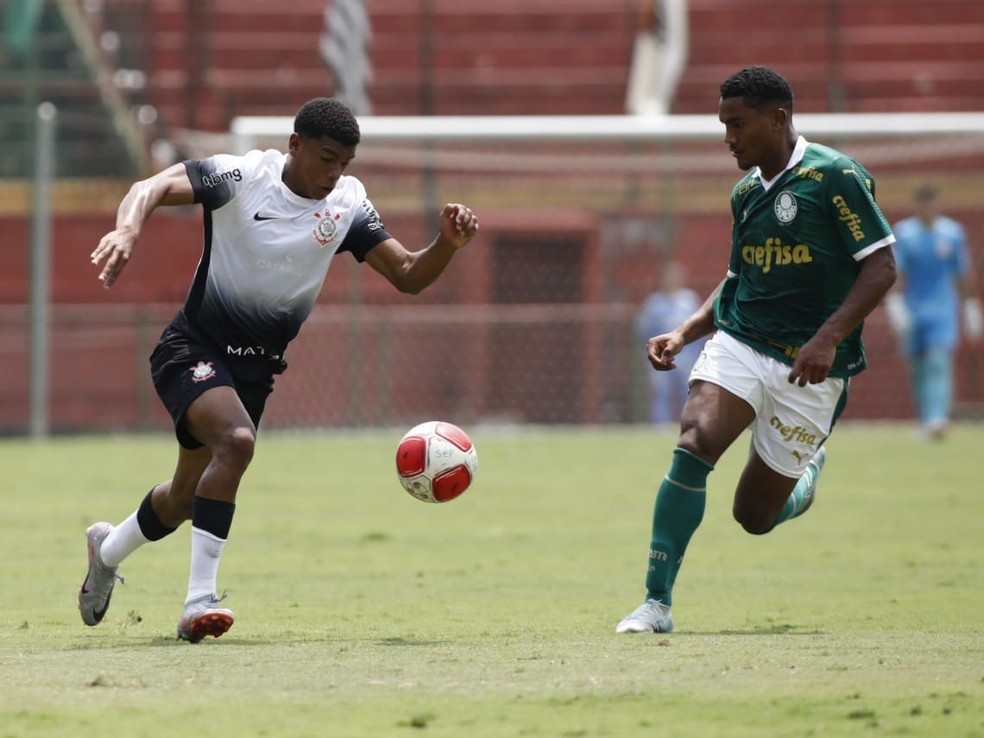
x,y
362,612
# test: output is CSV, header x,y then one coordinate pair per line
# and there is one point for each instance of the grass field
x,y
362,612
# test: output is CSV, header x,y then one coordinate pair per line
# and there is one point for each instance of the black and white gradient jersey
x,y
266,253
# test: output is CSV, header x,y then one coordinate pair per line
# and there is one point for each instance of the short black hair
x,y
326,116
759,87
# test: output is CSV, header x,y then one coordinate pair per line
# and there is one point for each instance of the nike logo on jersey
x,y
257,216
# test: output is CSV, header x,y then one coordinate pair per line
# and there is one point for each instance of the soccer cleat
x,y
934,430
97,588
815,465
202,618
652,616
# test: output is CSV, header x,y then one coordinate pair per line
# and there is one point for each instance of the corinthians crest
x,y
202,371
324,232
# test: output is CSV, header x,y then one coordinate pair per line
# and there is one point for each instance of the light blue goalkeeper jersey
x,y
930,259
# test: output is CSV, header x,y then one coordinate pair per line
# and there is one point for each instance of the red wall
x,y
520,355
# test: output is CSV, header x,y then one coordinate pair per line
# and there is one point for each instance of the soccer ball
x,y
436,461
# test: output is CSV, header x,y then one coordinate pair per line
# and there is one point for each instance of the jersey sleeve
x,y
859,222
734,256
217,179
367,231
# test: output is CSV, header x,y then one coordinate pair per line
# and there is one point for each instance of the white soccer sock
x,y
122,541
206,550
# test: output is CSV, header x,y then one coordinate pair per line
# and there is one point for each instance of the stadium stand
x,y
122,71
882,55
196,65
488,57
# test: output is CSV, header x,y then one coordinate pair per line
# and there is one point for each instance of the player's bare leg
x,y
712,419
172,500
760,495
217,419
764,498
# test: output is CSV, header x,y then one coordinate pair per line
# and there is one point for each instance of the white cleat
x,y
652,616
97,587
202,617
814,465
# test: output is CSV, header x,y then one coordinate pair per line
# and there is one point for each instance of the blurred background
x,y
534,323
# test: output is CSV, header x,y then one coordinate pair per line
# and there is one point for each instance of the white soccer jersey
x,y
267,250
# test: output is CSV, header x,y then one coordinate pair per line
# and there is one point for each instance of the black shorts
x,y
182,369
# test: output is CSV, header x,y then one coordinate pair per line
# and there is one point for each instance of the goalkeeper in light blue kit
x,y
924,309
810,259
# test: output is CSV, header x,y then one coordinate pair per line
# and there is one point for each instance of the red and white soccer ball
x,y
436,461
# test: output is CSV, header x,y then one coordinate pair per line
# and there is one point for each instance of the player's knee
x,y
753,521
236,447
693,439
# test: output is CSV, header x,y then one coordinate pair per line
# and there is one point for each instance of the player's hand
x,y
899,319
113,252
662,350
973,319
458,224
813,362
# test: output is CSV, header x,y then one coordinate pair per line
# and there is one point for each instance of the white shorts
x,y
790,421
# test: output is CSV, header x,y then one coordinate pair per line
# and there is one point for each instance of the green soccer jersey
x,y
795,253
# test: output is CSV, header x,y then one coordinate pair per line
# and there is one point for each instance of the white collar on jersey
x,y
795,158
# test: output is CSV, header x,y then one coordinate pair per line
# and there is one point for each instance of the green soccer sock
x,y
802,494
678,511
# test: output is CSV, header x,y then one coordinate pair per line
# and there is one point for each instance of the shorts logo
x,y
324,232
786,207
202,371
793,433
701,363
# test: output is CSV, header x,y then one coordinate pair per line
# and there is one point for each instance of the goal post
x,y
580,217
249,131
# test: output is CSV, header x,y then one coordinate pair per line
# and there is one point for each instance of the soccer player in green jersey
x,y
810,258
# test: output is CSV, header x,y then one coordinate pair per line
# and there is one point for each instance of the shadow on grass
x,y
398,641
115,642
763,630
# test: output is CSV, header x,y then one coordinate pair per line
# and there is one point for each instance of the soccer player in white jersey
x,y
810,258
273,223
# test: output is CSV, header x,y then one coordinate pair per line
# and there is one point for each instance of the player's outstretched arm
x,y
412,271
877,275
662,349
169,187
